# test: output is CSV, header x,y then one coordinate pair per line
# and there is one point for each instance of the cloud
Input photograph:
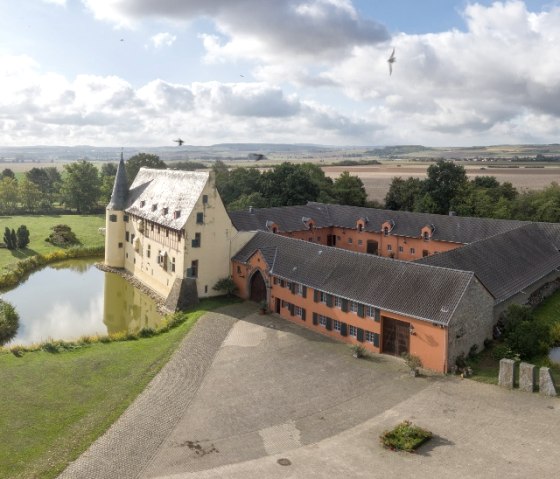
x,y
259,28
61,3
164,39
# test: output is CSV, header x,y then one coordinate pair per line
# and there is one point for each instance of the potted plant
x,y
358,351
413,362
263,307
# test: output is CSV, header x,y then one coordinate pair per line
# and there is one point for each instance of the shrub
x,y
51,346
405,437
226,285
9,322
147,332
22,235
502,351
62,235
358,350
9,238
412,361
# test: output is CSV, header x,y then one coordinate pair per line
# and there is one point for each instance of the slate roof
x,y
455,229
120,189
420,291
172,189
509,262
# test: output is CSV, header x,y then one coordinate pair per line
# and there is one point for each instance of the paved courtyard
x,y
245,390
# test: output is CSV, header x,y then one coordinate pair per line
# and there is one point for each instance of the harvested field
x,y
377,179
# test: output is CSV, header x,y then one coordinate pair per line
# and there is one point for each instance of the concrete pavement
x,y
241,394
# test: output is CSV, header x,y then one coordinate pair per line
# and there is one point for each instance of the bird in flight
x,y
179,141
392,59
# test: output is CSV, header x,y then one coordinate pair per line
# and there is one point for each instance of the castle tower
x,y
114,220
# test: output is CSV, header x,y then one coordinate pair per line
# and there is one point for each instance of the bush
x,y
62,235
405,437
412,361
22,235
226,285
502,351
147,332
10,238
358,350
9,322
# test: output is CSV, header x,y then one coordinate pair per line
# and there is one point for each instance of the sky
x,y
145,72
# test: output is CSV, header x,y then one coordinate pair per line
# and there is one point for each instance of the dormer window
x,y
177,214
165,210
386,231
142,204
387,227
427,232
154,207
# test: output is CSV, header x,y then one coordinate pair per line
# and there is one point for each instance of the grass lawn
x,y
53,406
86,228
486,368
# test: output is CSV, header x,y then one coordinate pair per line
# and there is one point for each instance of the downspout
x,y
445,350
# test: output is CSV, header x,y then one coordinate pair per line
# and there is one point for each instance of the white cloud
x,y
61,3
163,39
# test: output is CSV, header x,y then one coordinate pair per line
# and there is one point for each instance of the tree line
x,y
285,185
447,189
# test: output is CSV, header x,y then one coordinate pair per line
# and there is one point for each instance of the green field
x,y
86,228
55,405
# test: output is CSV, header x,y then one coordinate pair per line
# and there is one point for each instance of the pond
x,y
73,298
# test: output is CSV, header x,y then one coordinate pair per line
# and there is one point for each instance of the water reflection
x,y
73,298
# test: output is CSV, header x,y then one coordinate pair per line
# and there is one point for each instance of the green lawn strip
x,y
55,405
86,228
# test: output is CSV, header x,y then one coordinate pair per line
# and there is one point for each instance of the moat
x,y
73,298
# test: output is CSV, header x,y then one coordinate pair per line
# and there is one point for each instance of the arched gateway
x,y
257,287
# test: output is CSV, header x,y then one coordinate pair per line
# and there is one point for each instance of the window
x,y
165,210
142,204
360,227
132,238
360,242
337,325
239,272
113,218
318,238
127,236
125,218
338,302
204,199
412,251
298,311
299,289
385,231
192,272
177,214
166,233
370,311
353,306
372,338
196,241
349,240
310,239
200,218
352,331
401,249
172,265
154,207
322,321
120,245
425,253
151,227
323,297
149,251
389,247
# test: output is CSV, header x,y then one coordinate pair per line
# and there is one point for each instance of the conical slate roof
x,y
120,189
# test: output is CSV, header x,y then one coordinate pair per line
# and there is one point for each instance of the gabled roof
x,y
171,189
455,229
420,291
509,262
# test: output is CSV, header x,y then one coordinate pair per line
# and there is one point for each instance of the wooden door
x,y
372,247
396,336
331,240
258,288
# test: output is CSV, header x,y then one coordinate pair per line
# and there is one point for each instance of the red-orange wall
x,y
427,341
354,240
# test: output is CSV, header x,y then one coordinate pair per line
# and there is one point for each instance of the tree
x,y
8,239
444,180
9,194
48,181
288,184
107,176
7,173
349,190
81,186
134,163
9,322
403,194
30,195
22,235
244,201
